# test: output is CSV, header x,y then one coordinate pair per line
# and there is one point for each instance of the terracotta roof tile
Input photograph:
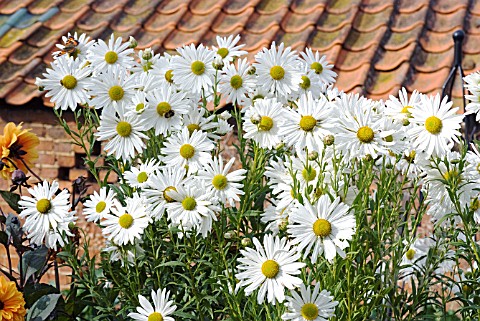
x,y
369,22
409,6
385,81
307,6
239,6
295,22
226,23
391,59
270,7
377,45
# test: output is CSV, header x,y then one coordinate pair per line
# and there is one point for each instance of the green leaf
x,y
3,238
33,292
43,308
34,260
11,199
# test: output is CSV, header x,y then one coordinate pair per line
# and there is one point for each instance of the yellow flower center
x,y
163,108
125,221
236,82
433,125
69,82
192,127
478,167
100,206
169,76
198,67
142,177
124,129
270,269
452,175
277,72
309,174
155,316
266,123
317,67
475,204
219,182
116,93
187,151
111,57
165,194
189,203
305,84
405,110
365,134
44,205
308,123
410,157
222,52
322,228
140,107
410,254
309,311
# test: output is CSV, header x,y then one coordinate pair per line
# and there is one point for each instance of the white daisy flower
x,y
105,57
192,207
126,223
401,108
162,182
114,89
307,172
160,311
147,82
55,238
147,59
436,126
220,183
278,175
237,84
308,85
45,213
310,305
165,110
472,81
223,127
140,177
322,228
473,107
138,104
269,268
262,122
163,68
182,149
124,134
359,129
66,83
278,70
195,120
307,125
126,254
276,217
193,69
415,256
98,204
318,66
228,49
74,46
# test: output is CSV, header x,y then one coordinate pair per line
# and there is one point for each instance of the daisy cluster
x,y
314,134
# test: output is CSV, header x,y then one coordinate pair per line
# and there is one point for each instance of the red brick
x,y
45,144
112,177
75,173
48,173
62,147
57,132
46,159
66,160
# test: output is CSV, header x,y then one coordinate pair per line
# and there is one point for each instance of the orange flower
x,y
17,144
12,304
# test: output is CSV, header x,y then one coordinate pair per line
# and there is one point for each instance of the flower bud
x,y
229,235
252,70
312,155
256,119
18,177
133,42
280,146
225,115
283,225
147,54
218,63
246,241
329,140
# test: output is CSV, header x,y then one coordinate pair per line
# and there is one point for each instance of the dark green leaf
x,y
33,292
11,199
43,308
34,260
3,238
